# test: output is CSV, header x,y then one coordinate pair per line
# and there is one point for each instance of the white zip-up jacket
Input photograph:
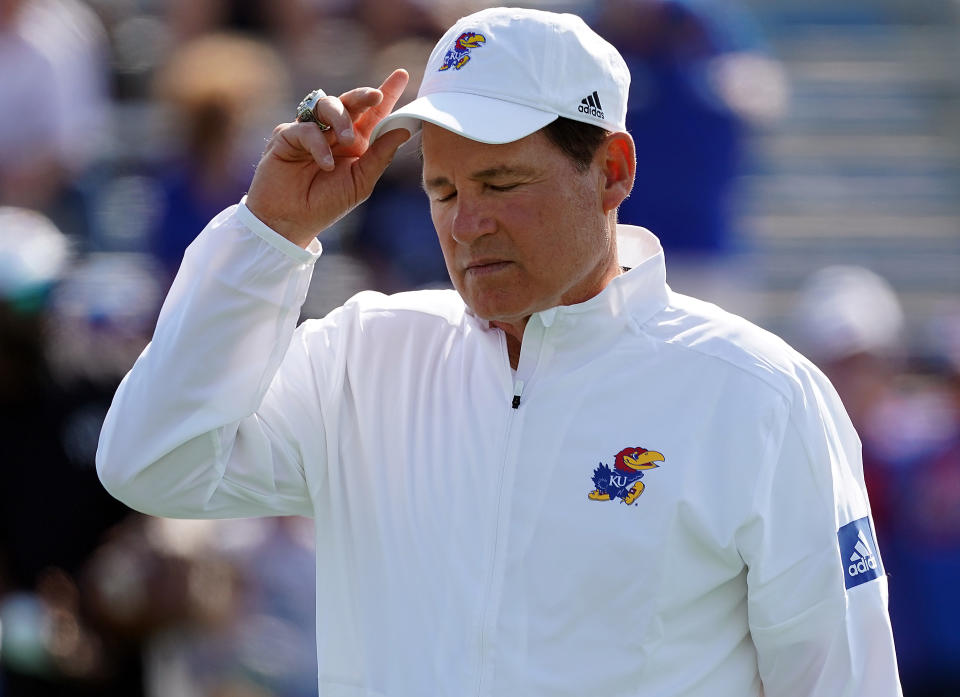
x,y
662,501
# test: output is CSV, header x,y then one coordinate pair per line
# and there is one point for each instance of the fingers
x,y
360,99
356,112
294,142
351,118
333,112
368,168
392,88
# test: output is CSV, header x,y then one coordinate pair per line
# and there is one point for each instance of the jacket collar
x,y
634,296
630,299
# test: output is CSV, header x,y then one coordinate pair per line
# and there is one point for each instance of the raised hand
x,y
307,178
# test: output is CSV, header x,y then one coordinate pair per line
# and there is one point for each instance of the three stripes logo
x,y
591,105
861,563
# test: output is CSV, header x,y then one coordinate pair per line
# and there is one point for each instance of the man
x,y
559,479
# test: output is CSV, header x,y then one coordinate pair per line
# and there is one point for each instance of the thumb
x,y
374,161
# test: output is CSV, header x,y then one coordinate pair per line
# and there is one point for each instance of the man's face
x,y
521,229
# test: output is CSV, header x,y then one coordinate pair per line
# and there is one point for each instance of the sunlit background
x,y
799,159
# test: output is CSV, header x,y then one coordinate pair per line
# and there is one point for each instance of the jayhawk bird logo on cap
x,y
459,54
623,481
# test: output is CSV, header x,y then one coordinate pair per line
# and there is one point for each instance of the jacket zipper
x,y
517,391
491,581
518,386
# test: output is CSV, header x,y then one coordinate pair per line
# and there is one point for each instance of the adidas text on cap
x,y
500,74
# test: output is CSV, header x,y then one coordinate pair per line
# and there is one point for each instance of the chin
x,y
503,313
496,313
487,313
510,304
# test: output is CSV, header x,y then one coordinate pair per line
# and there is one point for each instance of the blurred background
x,y
799,159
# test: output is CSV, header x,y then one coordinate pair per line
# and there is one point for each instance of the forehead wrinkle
x,y
501,170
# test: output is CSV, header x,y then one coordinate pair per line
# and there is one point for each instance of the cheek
x,y
441,225
545,221
527,217
435,215
439,220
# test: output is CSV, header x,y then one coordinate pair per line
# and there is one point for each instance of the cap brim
x,y
472,116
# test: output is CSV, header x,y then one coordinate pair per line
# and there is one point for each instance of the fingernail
x,y
346,134
328,161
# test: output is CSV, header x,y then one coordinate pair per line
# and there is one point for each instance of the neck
x,y
514,330
514,333
591,285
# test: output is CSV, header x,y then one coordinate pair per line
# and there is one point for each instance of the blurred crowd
x,y
125,126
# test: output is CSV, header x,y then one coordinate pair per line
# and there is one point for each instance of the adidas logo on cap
x,y
590,105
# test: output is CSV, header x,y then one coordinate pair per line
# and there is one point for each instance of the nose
x,y
471,220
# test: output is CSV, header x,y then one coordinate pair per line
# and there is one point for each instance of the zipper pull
x,y
517,391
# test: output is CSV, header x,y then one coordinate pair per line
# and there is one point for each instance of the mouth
x,y
479,269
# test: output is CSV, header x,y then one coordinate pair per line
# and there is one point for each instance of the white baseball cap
x,y
500,74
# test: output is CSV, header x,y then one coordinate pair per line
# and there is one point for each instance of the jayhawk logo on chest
x,y
623,481
459,54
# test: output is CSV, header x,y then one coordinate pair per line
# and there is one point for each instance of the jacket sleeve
x,y
817,592
205,423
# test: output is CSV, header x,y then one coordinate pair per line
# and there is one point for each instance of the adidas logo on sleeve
x,y
858,553
591,105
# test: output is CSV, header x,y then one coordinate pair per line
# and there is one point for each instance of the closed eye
x,y
492,187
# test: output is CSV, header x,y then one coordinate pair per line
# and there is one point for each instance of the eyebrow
x,y
483,175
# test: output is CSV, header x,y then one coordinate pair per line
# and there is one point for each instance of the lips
x,y
486,267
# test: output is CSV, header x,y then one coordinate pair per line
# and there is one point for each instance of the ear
x,y
618,167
